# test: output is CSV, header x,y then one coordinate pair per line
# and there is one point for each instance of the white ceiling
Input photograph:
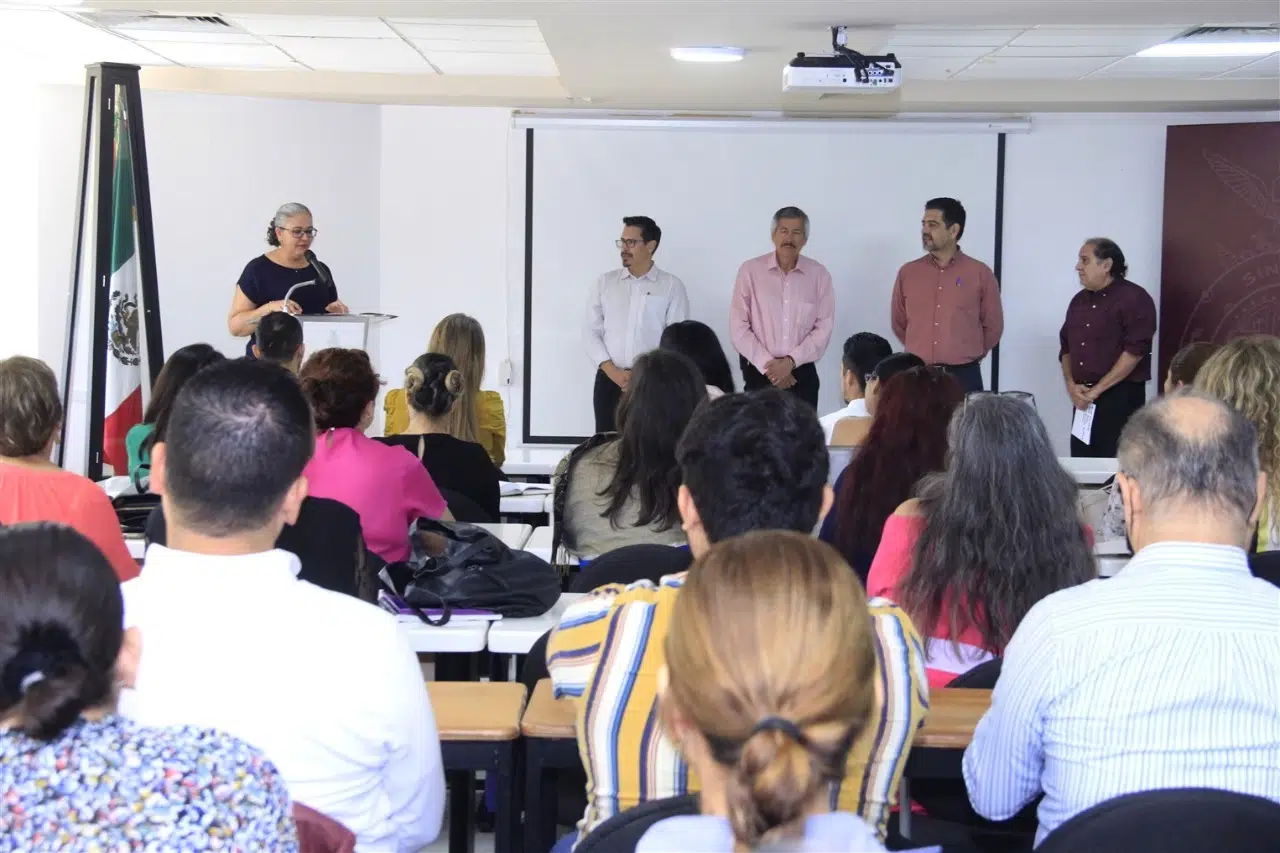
x,y
958,55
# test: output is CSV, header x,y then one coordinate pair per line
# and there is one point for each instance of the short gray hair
x,y
284,212
791,213
1212,462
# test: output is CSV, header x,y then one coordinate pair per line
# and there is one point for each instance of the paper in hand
x,y
1082,423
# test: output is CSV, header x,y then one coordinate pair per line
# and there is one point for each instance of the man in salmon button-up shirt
x,y
782,312
946,305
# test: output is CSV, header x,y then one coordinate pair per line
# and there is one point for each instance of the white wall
x,y
19,192
219,167
1071,178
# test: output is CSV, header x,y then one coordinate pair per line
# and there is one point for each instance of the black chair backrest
x,y
1188,820
981,677
463,508
632,563
1266,566
622,832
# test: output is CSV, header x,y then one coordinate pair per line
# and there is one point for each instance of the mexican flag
x,y
123,408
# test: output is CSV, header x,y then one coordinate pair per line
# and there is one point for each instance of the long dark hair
x,y
665,390
61,616
907,440
1002,526
698,342
180,367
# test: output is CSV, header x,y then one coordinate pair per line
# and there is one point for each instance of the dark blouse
x,y
1101,324
457,466
263,281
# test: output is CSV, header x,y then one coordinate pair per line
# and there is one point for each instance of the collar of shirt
x,y
650,274
802,263
955,259
1190,555
267,568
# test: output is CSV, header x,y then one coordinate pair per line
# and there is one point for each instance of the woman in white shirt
x,y
770,677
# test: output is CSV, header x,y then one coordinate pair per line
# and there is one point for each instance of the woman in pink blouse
x,y
387,486
988,538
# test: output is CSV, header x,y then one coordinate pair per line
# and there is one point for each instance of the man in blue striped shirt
x,y
1165,676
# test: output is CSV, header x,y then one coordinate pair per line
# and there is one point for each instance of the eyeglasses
x,y
299,233
628,243
1025,396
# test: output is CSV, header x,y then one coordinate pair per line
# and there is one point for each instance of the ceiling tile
x,y
955,36
156,36
514,31
225,55
366,55
1032,68
64,40
1108,40
494,64
1047,52
1172,68
936,51
1268,67
314,27
510,47
936,68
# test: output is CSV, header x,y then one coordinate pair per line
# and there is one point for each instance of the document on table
x,y
509,489
1082,423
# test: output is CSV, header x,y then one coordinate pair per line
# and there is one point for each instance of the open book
x,y
508,489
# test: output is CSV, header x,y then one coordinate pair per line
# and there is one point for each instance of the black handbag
x,y
133,510
476,571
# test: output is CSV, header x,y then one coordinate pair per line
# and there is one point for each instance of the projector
x,y
839,78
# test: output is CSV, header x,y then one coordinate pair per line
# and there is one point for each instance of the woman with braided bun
x,y
769,678
433,386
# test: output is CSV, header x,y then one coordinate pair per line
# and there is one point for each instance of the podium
x,y
348,331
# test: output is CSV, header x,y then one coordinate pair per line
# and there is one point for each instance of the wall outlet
x,y
505,371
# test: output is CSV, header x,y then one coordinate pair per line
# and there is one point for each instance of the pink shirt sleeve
x,y
743,337
97,520
893,557
992,318
898,310
422,498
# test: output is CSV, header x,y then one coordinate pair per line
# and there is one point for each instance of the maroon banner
x,y
1220,274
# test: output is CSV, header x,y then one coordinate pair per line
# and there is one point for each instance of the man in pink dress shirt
x,y
782,311
946,305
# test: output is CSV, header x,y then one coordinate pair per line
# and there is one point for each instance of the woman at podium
x,y
268,278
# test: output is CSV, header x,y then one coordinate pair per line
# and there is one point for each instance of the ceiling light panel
x,y
312,27
494,64
366,55
225,55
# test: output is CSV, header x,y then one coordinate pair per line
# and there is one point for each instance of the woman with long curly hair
x,y
1246,374
906,441
986,539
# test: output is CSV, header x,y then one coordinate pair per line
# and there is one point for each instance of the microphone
x,y
321,272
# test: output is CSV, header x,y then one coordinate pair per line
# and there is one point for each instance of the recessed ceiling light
x,y
1227,43
708,54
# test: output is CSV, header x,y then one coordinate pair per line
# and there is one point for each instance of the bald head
x,y
1190,450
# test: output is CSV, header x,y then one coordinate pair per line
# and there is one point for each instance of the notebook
x,y
394,604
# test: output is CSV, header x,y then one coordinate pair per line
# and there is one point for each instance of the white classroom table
x,y
137,545
463,637
540,544
526,504
514,536
517,636
534,461
1090,472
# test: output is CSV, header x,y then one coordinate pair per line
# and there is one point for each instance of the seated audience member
x,y
619,489
747,462
324,684
1164,676
75,775
433,386
1245,373
988,538
32,488
278,338
180,367
747,695
862,352
908,439
697,342
852,432
479,415
388,487
1183,368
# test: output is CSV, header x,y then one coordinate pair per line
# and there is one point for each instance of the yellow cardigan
x,y
490,417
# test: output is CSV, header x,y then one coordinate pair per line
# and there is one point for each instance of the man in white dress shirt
x,y
628,309
862,352
322,682
1168,674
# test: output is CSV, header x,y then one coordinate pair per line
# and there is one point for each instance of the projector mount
x,y
860,64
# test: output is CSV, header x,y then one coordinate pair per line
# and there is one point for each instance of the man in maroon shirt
x,y
1105,345
946,305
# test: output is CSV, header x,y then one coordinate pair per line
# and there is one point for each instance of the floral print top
x,y
111,785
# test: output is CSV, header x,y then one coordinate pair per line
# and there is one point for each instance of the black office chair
x,y
1188,820
621,833
632,563
463,508
1266,565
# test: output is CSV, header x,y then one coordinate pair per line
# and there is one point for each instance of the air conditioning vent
x,y
122,20
1211,33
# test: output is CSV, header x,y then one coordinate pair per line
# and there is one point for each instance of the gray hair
x,y
791,213
1192,447
284,212
1002,526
